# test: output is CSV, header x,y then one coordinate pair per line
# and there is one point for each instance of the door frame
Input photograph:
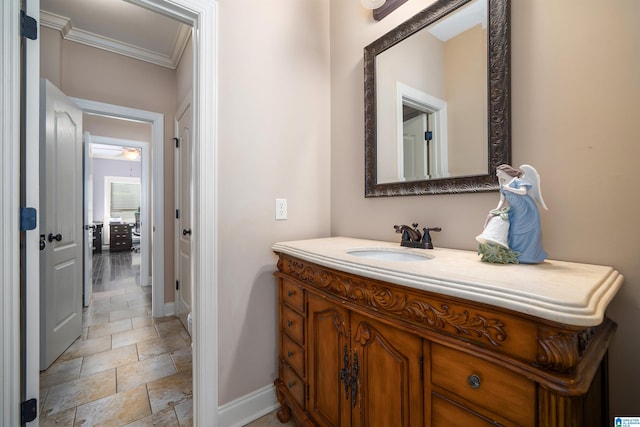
x,y
9,218
145,186
203,16
156,120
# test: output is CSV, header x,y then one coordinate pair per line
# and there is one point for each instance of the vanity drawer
x,y
484,384
293,383
293,354
293,295
445,413
293,324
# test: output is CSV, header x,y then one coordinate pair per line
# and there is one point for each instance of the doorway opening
x,y
112,164
202,16
150,242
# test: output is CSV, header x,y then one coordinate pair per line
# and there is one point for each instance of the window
x,y
122,198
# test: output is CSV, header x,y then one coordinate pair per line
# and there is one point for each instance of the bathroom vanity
x,y
373,334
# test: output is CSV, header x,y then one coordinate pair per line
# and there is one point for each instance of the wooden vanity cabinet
x,y
360,352
361,371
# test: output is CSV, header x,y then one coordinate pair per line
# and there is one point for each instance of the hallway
x,y
126,369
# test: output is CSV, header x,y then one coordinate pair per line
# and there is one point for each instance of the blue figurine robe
x,y
525,235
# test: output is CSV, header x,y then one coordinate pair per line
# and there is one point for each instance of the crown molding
x,y
68,32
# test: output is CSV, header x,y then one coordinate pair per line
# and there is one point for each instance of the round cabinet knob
x,y
289,323
473,381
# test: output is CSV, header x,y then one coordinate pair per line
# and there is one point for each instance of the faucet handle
x,y
426,237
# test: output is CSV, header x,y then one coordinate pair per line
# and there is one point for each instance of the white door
x,y
415,154
61,222
88,218
183,202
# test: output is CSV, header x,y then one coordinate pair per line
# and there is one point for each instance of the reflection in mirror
x,y
430,126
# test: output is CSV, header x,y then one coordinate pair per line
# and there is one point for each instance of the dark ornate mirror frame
x,y
499,103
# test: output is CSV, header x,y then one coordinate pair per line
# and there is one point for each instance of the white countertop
x,y
566,292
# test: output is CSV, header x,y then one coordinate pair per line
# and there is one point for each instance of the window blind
x,y
125,196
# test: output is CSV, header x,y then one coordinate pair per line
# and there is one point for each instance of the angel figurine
x,y
519,194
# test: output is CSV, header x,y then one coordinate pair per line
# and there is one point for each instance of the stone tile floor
x,y
270,420
127,369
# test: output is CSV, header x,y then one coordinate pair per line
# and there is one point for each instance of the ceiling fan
x,y
115,152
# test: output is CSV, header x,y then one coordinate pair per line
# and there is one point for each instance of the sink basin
x,y
387,254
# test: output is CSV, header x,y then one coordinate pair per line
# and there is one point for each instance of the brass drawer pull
x,y
473,381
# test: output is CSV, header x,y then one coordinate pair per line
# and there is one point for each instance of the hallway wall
x,y
575,97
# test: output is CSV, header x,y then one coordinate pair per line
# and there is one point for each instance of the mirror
x,y
437,101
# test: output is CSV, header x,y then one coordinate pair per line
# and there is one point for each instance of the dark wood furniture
x,y
120,237
97,238
356,351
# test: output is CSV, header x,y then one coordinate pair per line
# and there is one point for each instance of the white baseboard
x,y
169,308
248,408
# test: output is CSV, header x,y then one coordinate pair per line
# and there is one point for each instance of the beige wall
x,y
274,127
466,82
116,128
85,72
576,95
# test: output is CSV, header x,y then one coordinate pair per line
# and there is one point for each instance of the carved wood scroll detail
x,y
558,352
384,299
561,352
584,337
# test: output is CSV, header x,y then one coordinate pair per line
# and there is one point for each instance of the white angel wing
x,y
531,175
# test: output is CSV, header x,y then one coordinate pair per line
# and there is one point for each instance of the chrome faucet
x,y
412,238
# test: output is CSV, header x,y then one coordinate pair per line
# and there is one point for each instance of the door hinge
x,y
177,141
428,135
28,219
28,26
177,213
28,411
177,285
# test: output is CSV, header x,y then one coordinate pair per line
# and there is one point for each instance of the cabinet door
x,y
390,375
328,345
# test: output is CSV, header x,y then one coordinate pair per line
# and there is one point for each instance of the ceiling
x,y
115,152
118,26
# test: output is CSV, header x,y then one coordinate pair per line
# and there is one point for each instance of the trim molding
x,y
68,32
250,407
157,188
9,226
169,309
